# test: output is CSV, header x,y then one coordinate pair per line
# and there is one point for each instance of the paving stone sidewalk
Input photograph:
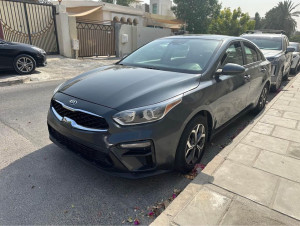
x,y
58,68
253,181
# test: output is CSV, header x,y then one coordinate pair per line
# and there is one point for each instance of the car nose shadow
x,y
49,181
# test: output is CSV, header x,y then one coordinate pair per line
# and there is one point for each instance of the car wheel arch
x,y
202,112
27,53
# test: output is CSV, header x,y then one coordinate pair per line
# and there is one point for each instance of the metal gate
x,y
96,39
31,23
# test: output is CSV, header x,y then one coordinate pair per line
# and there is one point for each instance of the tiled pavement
x,y
254,180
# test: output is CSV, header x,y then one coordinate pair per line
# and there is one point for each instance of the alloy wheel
x,y
263,97
24,64
195,144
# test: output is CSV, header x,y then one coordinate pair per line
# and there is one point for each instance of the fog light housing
x,y
143,144
136,156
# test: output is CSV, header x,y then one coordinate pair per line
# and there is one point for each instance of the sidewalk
x,y
58,68
254,180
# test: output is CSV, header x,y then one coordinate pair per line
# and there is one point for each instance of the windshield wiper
x,y
150,67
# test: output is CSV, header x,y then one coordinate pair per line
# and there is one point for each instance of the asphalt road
x,y
43,184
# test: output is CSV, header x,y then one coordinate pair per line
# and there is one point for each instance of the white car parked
x,y
296,57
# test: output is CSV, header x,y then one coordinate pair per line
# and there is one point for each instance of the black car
x,y
155,110
22,58
276,49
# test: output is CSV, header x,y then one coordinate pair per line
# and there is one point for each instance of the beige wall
x,y
148,34
95,16
66,30
139,36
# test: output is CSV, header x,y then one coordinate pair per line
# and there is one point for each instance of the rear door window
x,y
250,53
233,55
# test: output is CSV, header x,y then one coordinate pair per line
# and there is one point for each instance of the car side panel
x,y
6,56
260,73
228,97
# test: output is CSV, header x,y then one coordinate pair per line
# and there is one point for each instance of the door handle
x,y
263,70
247,77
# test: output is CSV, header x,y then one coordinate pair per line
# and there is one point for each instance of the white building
x,y
161,7
102,12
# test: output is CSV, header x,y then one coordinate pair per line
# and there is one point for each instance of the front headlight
x,y
57,88
146,114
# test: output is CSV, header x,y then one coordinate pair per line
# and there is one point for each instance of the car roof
x,y
211,37
264,35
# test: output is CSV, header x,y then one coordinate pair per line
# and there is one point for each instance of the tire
x,y
262,100
275,88
294,71
286,76
24,64
189,152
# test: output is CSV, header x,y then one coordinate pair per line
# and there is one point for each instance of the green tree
x,y
231,23
281,17
295,37
197,14
258,21
120,2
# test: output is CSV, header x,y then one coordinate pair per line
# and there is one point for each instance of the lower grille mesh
x,y
88,153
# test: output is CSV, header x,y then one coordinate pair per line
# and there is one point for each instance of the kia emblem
x,y
73,102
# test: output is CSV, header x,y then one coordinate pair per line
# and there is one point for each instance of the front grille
x,y
81,118
88,153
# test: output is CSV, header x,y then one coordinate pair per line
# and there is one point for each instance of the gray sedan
x,y
157,109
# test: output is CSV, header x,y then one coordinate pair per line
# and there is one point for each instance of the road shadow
x,y
53,186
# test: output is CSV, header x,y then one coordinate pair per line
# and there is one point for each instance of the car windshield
x,y
269,43
295,45
180,55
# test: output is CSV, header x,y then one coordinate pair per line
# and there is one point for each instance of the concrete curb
x,y
30,80
14,81
205,177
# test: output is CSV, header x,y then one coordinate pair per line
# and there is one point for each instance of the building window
x,y
154,8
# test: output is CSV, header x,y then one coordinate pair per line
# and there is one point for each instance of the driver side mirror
x,y
290,49
231,69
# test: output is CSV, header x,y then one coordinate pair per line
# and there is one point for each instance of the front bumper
x,y
106,149
275,69
41,60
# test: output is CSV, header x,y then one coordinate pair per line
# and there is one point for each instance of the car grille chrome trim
x,y
72,122
75,109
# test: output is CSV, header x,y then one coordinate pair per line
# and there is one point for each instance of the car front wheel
x,y
24,64
276,87
192,144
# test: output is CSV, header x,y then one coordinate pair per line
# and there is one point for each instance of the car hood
x,y
271,53
20,44
122,87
